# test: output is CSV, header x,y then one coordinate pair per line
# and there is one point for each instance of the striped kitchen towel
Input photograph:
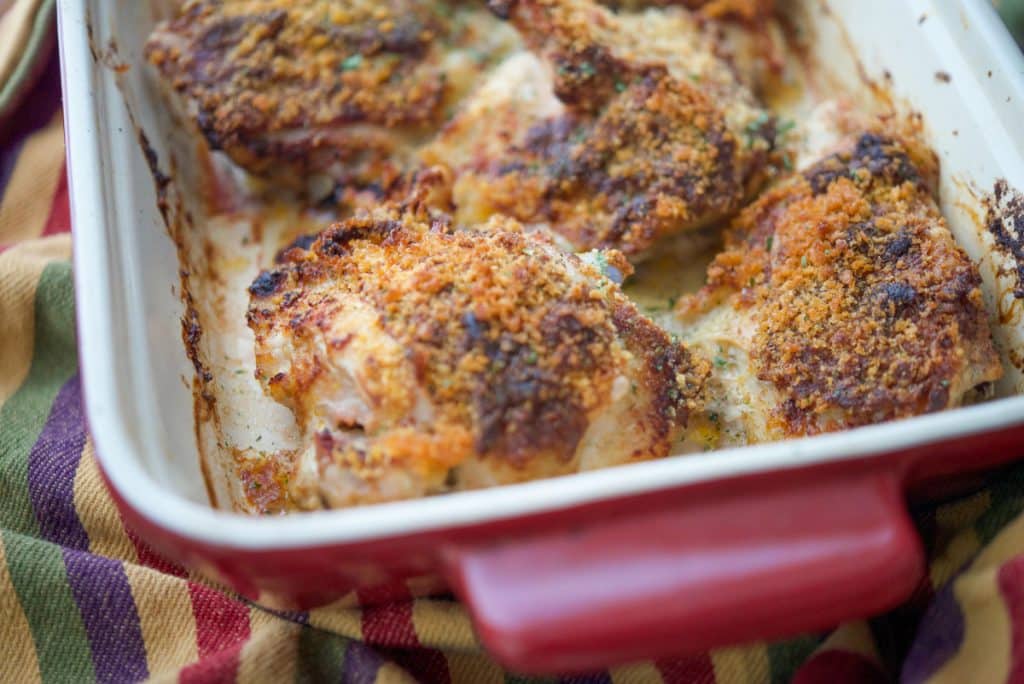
x,y
26,38
83,599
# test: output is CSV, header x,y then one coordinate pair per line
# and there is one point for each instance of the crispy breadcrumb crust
x,y
348,88
514,350
641,152
865,308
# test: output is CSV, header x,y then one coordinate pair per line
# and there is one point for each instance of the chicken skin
x,y
322,93
841,300
618,131
419,359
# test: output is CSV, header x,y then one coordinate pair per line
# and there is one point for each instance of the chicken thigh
x,y
616,131
419,359
841,299
324,94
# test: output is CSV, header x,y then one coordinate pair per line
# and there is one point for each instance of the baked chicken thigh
x,y
617,130
419,359
322,93
841,299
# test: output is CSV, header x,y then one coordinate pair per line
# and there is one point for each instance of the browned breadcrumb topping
x,y
641,153
315,86
263,65
630,177
866,309
514,343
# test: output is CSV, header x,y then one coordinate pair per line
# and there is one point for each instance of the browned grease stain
x,y
998,216
1004,222
799,39
968,200
176,219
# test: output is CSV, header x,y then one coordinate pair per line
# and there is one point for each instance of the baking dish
x,y
582,572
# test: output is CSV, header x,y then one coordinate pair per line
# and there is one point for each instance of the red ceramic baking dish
x,y
587,571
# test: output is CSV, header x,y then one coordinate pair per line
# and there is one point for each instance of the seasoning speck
x,y
352,62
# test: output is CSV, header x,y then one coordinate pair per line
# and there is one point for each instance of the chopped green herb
x,y
803,261
720,362
352,62
787,162
713,417
587,69
944,383
531,356
619,86
768,243
784,127
755,128
695,78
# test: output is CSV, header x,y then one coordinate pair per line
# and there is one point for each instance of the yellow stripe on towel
x,y
19,662
20,269
25,206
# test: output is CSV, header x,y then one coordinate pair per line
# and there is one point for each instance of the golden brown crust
x,y
579,177
865,308
641,153
321,85
514,345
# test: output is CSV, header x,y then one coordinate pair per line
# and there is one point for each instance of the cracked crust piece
x,y
842,300
418,359
322,93
617,132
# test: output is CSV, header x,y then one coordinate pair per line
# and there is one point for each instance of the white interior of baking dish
x,y
138,378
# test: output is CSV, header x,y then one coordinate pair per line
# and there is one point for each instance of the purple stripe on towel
x,y
51,469
104,597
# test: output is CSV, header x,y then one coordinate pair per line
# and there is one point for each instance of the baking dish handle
x,y
723,567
